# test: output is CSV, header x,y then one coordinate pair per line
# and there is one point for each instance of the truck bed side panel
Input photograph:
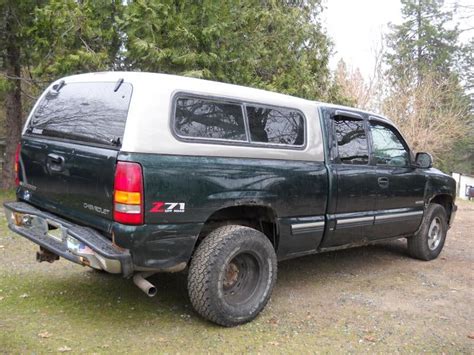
x,y
188,189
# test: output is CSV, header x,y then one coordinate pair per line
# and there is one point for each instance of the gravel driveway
x,y
373,298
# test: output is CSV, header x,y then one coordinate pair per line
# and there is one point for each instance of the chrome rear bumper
x,y
79,244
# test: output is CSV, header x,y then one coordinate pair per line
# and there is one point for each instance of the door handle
x,y
383,182
55,163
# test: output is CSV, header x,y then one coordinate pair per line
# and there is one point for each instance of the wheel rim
x,y
241,279
434,233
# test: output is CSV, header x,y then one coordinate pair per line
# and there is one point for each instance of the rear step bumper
x,y
81,245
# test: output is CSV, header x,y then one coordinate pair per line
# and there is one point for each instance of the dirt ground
x,y
373,298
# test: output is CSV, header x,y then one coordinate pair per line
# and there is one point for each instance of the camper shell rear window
x,y
93,112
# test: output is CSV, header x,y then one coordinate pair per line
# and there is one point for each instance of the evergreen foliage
x,y
275,45
423,42
424,52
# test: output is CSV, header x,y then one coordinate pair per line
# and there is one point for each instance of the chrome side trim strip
x,y
398,215
355,220
308,225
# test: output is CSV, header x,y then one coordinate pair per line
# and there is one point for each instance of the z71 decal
x,y
167,207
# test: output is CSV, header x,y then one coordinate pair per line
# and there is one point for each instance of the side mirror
x,y
424,160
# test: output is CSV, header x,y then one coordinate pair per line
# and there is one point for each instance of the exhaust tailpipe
x,y
139,279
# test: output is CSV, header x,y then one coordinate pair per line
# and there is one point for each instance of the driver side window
x,y
387,147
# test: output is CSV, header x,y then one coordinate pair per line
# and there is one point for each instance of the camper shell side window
x,y
222,121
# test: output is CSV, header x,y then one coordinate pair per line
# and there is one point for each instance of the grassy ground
x,y
365,299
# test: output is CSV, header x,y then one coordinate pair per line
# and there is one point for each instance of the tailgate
x,y
68,179
70,147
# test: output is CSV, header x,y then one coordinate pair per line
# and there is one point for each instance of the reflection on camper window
x,y
208,119
275,125
83,111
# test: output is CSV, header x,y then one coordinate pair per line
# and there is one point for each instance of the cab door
x,y
400,184
351,215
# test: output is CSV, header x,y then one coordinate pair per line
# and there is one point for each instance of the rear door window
x,y
208,119
352,147
276,125
89,112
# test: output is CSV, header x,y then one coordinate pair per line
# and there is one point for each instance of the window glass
x,y
91,112
275,125
388,149
203,118
351,141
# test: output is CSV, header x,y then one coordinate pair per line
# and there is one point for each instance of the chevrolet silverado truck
x,y
140,173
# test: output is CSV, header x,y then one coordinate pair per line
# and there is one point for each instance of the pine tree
x,y
275,45
422,43
14,15
426,96
43,40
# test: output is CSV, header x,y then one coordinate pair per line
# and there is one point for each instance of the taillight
x,y
128,193
17,164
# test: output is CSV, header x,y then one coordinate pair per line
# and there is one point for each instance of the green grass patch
x,y
7,195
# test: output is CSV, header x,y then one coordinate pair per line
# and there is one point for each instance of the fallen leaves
x,y
25,295
471,336
370,338
44,334
64,349
273,321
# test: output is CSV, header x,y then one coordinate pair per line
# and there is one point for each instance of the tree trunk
x,y
418,45
13,105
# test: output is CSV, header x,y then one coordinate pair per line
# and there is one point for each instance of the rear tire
x,y
231,275
429,241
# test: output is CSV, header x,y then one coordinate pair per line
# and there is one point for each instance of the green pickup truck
x,y
139,173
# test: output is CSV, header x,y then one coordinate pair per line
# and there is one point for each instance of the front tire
x,y
429,241
231,275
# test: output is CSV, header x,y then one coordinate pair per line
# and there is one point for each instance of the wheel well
x,y
258,217
446,201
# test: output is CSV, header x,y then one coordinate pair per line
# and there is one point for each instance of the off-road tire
x,y
421,246
230,301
